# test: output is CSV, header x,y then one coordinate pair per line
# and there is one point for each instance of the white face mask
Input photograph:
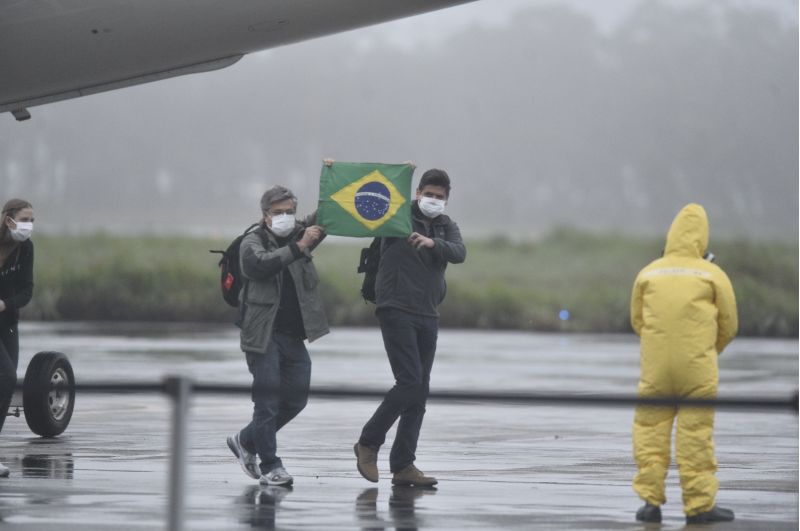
x,y
22,231
282,225
431,207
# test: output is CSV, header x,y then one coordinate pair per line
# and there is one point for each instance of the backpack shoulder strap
x,y
261,234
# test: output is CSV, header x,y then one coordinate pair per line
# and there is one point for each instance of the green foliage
x,y
502,285
102,277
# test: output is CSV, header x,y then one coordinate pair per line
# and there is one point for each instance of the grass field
x,y
502,285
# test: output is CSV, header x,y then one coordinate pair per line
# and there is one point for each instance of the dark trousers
x,y
281,380
9,358
410,342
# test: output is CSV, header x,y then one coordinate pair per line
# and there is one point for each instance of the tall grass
x,y
503,285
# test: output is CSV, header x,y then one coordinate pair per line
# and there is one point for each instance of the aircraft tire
x,y
48,411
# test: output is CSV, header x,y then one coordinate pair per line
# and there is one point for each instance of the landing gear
x,y
48,410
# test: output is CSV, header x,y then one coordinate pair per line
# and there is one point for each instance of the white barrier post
x,y
179,390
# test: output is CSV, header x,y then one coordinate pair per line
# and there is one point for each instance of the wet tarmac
x,y
499,466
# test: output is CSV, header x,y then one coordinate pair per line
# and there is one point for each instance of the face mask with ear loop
x,y
282,225
22,230
431,207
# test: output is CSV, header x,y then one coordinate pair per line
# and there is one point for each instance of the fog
x,y
547,114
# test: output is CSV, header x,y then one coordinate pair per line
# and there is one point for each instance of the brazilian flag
x,y
365,199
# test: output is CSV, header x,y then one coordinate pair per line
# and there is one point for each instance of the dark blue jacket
x,y
413,280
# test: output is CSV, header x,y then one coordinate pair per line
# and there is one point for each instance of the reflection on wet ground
x,y
499,466
401,513
259,503
47,466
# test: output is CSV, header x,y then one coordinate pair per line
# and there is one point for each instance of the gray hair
x,y
276,194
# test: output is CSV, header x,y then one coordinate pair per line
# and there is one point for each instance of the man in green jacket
x,y
281,307
409,288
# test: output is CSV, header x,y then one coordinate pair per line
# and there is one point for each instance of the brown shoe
x,y
367,462
411,475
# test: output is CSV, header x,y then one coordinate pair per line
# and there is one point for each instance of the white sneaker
x,y
276,477
3,471
246,459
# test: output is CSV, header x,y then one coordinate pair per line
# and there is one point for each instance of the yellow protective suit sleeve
x,y
637,319
727,319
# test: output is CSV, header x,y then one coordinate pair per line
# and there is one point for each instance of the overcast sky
x,y
264,118
430,28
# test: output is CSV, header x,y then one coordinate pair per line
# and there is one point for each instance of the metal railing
x,y
789,404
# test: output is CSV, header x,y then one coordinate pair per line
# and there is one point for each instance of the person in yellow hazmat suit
x,y
684,310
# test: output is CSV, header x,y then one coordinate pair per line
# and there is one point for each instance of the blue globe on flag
x,y
372,200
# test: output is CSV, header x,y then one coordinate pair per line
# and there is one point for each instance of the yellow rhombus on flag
x,y
365,199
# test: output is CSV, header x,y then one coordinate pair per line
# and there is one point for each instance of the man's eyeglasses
x,y
273,213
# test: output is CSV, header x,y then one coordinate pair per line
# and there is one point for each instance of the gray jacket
x,y
261,296
413,280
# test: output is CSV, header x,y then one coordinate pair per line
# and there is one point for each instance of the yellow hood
x,y
688,235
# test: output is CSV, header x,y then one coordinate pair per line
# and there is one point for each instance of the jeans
x,y
410,342
9,358
281,379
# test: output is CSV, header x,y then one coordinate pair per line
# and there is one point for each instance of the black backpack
x,y
231,278
368,264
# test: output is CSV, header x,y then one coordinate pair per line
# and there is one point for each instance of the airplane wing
x,y
53,50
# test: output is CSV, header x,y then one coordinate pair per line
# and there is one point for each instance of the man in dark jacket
x,y
281,307
409,288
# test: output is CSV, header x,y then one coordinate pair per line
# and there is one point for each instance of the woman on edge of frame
x,y
16,289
